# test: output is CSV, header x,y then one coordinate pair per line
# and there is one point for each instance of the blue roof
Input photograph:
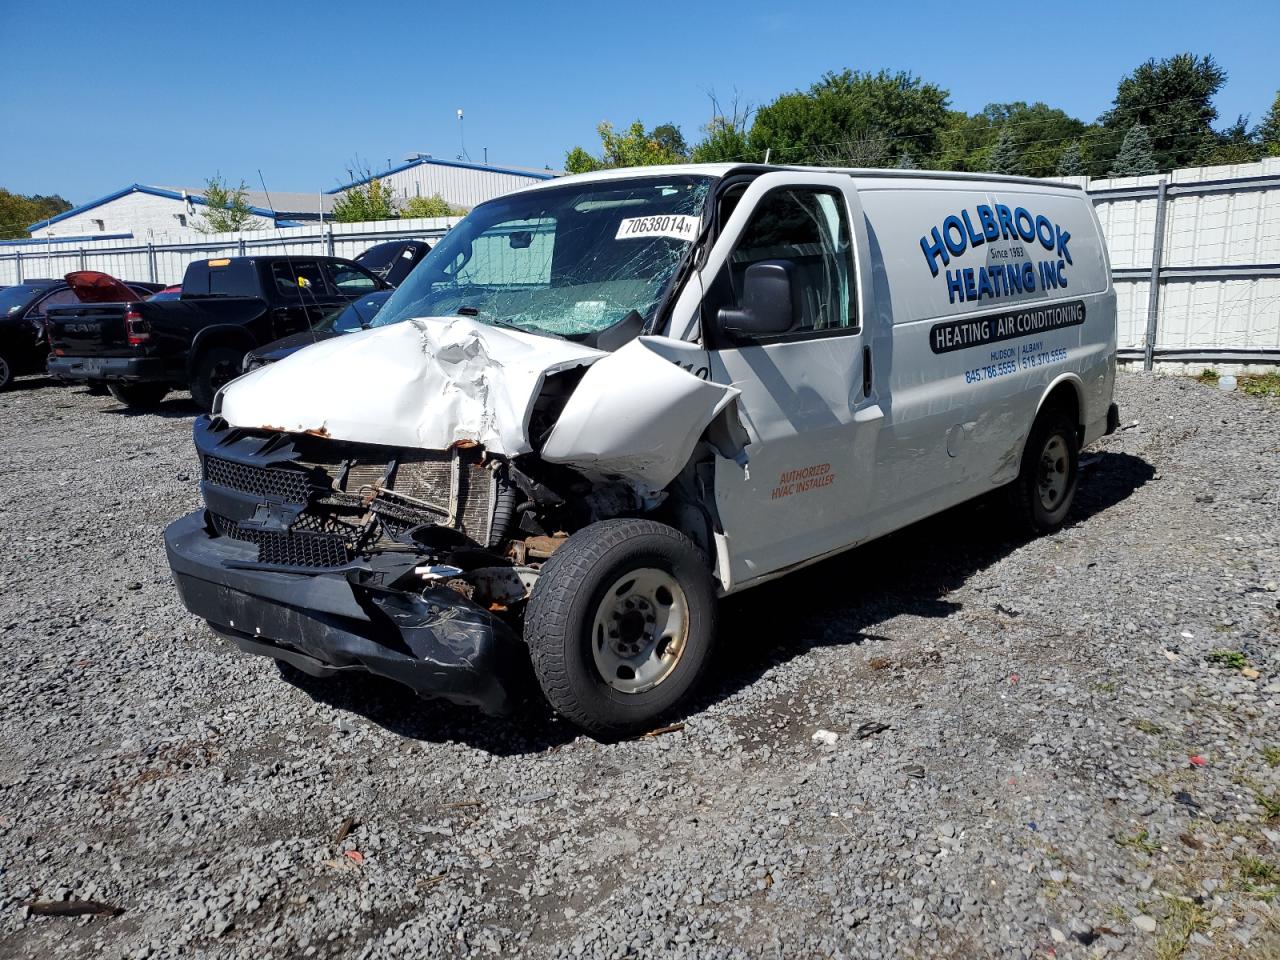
x,y
511,171
28,241
136,188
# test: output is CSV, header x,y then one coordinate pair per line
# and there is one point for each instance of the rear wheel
x,y
1046,486
214,369
620,625
6,372
142,396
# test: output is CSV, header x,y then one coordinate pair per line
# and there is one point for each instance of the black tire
x,y
1042,495
562,612
6,372
214,369
141,396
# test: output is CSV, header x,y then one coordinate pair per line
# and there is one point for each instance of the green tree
x,y
1003,155
369,199
226,207
578,160
1039,134
1071,162
1236,144
18,211
670,139
1136,156
847,113
1269,130
725,136
1173,100
432,206
634,147
906,162
725,141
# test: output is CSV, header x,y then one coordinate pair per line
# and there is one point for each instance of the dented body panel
x,y
639,413
429,383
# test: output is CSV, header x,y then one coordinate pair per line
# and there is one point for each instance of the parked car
x,y
356,315
228,306
23,308
394,260
724,374
168,293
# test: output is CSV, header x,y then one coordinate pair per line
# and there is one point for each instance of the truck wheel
x,y
6,372
620,625
1046,487
214,369
142,396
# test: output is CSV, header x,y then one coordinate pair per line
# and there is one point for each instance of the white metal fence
x,y
1205,240
1195,256
167,262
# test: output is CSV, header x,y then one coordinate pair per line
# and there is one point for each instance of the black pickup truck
x,y
142,350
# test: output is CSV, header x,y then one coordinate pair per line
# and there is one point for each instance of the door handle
x,y
866,371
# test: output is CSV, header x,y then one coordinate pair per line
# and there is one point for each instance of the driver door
x,y
807,400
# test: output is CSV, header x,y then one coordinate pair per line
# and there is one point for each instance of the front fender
x,y
639,412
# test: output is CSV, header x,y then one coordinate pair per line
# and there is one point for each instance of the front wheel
x,y
620,625
6,372
1042,495
142,396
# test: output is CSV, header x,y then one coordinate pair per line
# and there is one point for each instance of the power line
x,y
849,142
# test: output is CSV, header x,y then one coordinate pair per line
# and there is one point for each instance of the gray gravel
x,y
1034,794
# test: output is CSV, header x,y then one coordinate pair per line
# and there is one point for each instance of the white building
x,y
461,183
143,212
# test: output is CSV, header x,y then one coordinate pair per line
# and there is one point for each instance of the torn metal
x,y
387,506
428,383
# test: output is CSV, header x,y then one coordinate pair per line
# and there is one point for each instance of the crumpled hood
x,y
428,383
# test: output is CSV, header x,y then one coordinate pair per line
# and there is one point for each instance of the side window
x,y
810,229
62,298
351,280
287,273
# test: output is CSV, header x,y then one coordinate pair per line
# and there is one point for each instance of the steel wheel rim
x,y
640,631
1055,468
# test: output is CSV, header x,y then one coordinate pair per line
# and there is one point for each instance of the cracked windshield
x,y
570,261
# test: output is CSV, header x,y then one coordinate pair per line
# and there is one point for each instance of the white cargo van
x,y
600,403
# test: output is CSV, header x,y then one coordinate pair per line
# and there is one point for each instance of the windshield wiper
x,y
491,320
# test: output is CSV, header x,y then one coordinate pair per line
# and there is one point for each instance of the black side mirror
x,y
769,304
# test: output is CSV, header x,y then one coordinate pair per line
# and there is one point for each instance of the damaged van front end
x,y
386,501
400,526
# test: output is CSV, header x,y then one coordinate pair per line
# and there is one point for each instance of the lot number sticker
x,y
680,226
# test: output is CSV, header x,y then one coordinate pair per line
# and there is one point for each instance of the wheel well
x,y
1066,398
234,338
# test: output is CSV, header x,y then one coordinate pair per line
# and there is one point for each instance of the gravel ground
x,y
1080,754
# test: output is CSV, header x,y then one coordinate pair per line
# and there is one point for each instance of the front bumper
x,y
436,642
109,368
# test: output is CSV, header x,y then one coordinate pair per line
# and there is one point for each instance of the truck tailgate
x,y
89,330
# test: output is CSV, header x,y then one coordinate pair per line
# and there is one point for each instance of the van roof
x,y
721,169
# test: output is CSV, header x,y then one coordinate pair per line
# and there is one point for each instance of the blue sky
x,y
98,95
